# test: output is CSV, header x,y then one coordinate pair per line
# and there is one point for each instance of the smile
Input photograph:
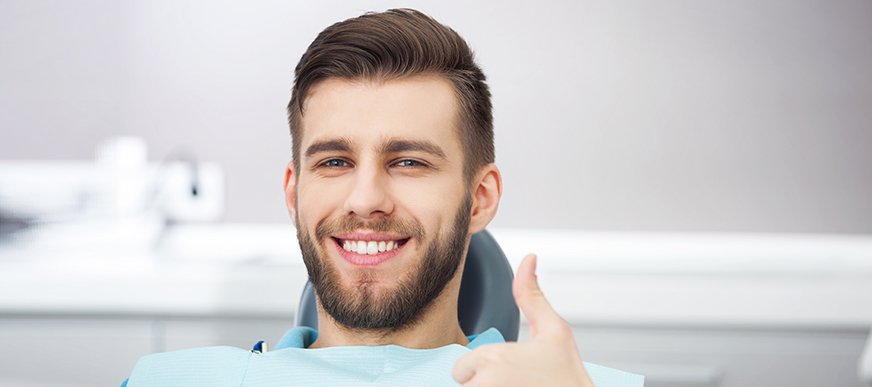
x,y
369,247
364,249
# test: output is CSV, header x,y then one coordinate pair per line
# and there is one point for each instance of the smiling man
x,y
382,210
392,171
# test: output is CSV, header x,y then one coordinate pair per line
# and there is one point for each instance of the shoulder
x,y
206,366
489,336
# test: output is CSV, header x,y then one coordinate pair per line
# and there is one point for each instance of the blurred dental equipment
x,y
118,200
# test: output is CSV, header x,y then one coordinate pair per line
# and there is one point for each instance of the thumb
x,y
541,317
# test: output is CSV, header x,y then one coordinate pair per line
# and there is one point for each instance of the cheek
x,y
431,203
316,202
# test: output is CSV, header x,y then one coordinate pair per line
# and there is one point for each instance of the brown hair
x,y
394,44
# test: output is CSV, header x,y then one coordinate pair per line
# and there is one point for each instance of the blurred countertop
x,y
615,278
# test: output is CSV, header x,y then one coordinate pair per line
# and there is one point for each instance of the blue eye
x,y
409,163
335,163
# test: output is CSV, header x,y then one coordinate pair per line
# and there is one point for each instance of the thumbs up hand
x,y
549,358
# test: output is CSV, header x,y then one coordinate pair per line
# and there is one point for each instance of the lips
x,y
368,249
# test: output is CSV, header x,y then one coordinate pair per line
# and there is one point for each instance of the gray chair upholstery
x,y
485,292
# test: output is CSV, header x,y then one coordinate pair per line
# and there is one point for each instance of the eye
x,y
408,163
335,163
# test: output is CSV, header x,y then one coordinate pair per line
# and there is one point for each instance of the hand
x,y
549,358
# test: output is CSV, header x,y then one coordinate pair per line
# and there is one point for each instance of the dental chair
x,y
485,292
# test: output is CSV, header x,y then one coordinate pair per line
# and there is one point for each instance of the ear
x,y
487,188
291,190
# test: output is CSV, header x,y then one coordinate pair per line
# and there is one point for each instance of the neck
x,y
438,326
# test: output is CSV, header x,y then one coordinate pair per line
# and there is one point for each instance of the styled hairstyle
x,y
394,44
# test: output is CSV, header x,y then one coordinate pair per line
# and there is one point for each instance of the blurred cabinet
x,y
70,352
92,351
735,357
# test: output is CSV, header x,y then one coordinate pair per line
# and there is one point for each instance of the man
x,y
392,171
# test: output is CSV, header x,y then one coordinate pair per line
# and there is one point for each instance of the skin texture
x,y
376,188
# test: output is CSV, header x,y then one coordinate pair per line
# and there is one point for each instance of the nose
x,y
369,197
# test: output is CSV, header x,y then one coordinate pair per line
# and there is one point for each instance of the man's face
x,y
381,205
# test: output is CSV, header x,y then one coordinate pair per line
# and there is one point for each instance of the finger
x,y
541,317
464,368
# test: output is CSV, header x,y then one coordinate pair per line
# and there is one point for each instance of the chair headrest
x,y
485,292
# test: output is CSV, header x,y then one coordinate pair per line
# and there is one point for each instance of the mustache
x,y
410,228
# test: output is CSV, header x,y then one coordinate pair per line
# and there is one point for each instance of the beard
x,y
360,306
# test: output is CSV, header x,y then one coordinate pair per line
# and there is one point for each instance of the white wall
x,y
619,115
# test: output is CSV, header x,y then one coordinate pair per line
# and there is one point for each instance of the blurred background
x,y
695,175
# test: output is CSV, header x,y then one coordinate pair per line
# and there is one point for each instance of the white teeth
x,y
369,247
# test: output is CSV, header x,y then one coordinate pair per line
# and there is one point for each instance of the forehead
x,y
363,111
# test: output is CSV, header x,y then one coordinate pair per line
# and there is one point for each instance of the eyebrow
x,y
391,146
398,146
334,145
